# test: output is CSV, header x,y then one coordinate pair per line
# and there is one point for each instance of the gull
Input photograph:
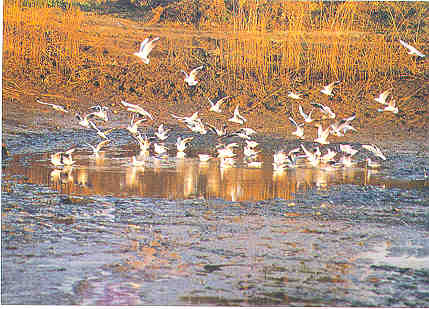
x,y
341,127
346,160
372,164
181,144
375,150
160,149
145,48
56,159
307,118
299,128
324,109
227,162
322,135
250,152
84,122
136,109
279,158
67,157
328,88
252,144
135,162
291,159
391,107
187,120
55,107
237,117
97,148
190,79
101,112
411,49
328,156
204,157
101,133
215,107
226,151
294,95
254,164
144,144
383,96
348,149
162,133
197,126
312,157
133,127
219,132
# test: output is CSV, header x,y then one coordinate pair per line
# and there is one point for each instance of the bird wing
x,y
219,102
406,45
101,144
302,112
149,46
293,121
194,72
143,44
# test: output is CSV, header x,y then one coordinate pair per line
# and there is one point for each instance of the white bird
x,y
307,118
162,133
84,122
383,96
254,164
97,148
328,156
249,152
226,162
197,126
237,117
215,107
188,120
411,49
375,150
181,144
252,144
219,132
145,48
101,112
328,88
299,129
144,144
67,157
204,157
190,79
348,149
54,106
322,135
279,158
346,160
372,164
312,157
293,95
56,159
341,127
391,107
324,109
133,127
135,162
99,132
136,109
160,149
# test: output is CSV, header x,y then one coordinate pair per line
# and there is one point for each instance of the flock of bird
x,y
316,157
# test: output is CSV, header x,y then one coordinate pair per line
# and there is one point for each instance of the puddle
x,y
111,174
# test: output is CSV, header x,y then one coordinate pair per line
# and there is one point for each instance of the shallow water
x,y
177,232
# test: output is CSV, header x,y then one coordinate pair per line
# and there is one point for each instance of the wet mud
x,y
345,238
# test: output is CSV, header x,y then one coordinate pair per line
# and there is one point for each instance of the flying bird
x,y
307,118
383,96
324,109
237,117
145,48
136,109
390,107
411,49
215,107
54,106
191,77
328,88
299,128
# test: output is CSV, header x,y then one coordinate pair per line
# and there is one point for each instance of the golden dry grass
x,y
263,51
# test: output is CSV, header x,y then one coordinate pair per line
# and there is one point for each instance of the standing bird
x,y
145,48
412,50
190,79
328,88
